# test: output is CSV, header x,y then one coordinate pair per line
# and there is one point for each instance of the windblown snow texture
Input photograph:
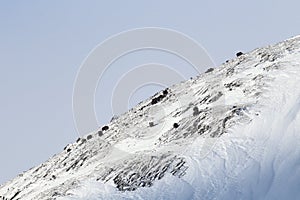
x,y
230,133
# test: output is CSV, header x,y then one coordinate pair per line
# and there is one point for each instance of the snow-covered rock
x,y
230,133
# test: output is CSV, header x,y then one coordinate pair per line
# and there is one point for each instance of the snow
x,y
147,141
170,187
259,161
249,147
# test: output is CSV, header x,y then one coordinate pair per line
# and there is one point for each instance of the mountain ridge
x,y
144,148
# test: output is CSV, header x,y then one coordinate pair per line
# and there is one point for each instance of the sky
x,y
43,44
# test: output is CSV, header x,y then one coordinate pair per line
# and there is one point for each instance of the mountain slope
x,y
232,133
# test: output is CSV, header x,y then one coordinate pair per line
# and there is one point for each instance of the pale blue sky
x,y
42,45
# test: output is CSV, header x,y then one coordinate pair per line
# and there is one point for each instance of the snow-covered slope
x,y
233,133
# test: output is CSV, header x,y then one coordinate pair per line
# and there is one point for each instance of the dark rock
x,y
89,137
105,128
154,101
165,92
175,125
195,111
239,54
100,133
159,98
209,70
114,118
